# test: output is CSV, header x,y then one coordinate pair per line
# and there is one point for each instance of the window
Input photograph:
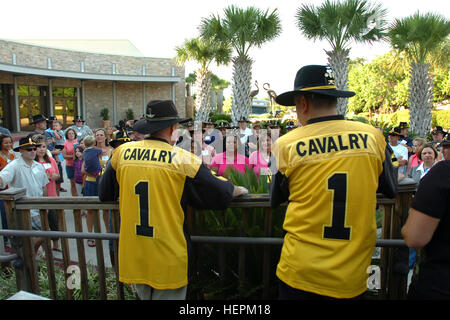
x,y
30,103
64,102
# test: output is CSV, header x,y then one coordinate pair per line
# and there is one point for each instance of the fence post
x,y
23,274
400,258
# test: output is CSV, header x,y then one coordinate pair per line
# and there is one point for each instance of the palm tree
x,y
420,35
243,29
203,52
340,23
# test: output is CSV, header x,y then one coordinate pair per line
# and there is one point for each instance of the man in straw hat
x,y
82,130
155,182
329,170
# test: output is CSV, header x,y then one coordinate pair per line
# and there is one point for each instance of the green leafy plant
x,y
129,114
104,114
237,222
8,283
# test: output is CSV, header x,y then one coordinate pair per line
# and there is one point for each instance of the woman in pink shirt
x,y
51,169
414,160
231,158
259,159
69,154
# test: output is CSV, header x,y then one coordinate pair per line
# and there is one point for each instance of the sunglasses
x,y
30,149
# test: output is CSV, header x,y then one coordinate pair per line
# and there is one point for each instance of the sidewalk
x,y
90,252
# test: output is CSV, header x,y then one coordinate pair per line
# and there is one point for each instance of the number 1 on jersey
x,y
338,183
144,228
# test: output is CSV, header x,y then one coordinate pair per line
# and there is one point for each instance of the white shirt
x,y
401,151
423,170
19,174
247,132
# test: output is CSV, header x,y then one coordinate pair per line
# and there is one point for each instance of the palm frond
x,y
204,52
419,34
309,23
340,22
242,28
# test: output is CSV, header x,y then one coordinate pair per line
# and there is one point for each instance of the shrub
x,y
441,118
8,285
233,222
104,114
219,116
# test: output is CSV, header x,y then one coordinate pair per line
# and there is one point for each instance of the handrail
x,y
18,207
8,257
197,239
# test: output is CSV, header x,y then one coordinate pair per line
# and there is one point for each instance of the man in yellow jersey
x,y
155,182
329,171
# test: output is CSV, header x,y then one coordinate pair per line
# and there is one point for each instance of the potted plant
x,y
104,114
129,114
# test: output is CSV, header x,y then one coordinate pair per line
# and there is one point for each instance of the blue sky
x,y
157,27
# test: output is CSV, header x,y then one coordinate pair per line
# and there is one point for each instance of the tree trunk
x,y
219,101
420,99
242,75
212,100
203,84
338,61
189,107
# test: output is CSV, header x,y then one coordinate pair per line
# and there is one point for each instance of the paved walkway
x,y
90,252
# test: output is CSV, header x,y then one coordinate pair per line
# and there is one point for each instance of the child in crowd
x,y
78,175
58,134
77,164
91,157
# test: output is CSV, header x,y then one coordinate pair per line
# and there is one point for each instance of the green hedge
x,y
439,118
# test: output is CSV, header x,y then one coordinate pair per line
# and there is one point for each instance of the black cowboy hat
x,y
140,126
51,119
313,78
78,118
222,124
25,142
445,142
38,118
189,123
121,137
395,132
438,129
160,115
403,125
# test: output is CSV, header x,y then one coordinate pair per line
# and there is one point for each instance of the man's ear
x,y
301,103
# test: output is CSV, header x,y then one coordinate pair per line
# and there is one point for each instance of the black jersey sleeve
x,y
206,191
388,180
108,187
279,189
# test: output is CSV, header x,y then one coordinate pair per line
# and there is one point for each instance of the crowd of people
x,y
315,168
415,156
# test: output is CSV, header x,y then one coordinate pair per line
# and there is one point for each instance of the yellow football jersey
x,y
332,167
155,182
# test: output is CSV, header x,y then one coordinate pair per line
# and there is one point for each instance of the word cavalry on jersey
x,y
145,154
328,144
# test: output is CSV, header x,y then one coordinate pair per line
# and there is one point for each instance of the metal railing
x,y
393,281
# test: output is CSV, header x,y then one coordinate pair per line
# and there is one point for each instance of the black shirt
x,y
433,199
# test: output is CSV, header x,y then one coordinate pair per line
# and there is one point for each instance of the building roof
x,y
122,47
